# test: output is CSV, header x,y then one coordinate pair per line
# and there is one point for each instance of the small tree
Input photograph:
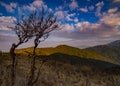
x,y
44,23
24,32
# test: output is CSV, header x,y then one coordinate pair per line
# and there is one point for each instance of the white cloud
x,y
86,26
50,10
30,8
100,4
59,8
69,17
91,8
13,5
60,14
84,9
76,19
99,7
73,5
111,19
67,27
9,7
6,21
112,10
107,27
36,4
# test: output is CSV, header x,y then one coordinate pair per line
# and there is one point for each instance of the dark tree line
x,y
38,24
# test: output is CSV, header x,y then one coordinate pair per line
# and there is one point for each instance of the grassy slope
x,y
107,51
68,50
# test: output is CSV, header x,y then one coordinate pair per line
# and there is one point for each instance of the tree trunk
x,y
12,53
32,71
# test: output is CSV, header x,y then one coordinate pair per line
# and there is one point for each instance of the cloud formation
x,y
107,27
84,9
69,17
35,5
6,22
100,26
112,10
99,6
73,5
9,7
61,14
91,8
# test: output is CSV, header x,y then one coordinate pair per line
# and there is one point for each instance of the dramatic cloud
x,y
9,7
84,9
106,28
99,7
112,19
85,24
6,21
73,5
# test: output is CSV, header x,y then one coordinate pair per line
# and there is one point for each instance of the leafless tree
x,y
44,22
24,32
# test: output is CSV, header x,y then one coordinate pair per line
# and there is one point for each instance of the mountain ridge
x,y
98,52
110,50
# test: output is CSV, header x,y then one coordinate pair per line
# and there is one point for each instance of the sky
x,y
85,23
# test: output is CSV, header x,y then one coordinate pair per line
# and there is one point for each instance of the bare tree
x,y
24,32
44,23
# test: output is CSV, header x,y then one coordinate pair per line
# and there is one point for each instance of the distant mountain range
x,y
115,44
108,53
110,50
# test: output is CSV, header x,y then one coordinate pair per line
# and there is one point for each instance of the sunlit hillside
x,y
69,51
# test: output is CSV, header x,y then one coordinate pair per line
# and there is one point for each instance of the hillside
x,y
69,51
62,70
110,50
65,66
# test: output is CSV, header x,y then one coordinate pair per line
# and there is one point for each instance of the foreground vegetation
x,y
60,70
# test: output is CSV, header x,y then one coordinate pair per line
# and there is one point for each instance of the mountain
x,y
82,53
65,66
110,50
115,44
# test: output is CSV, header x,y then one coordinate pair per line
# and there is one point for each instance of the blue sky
x,y
85,22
